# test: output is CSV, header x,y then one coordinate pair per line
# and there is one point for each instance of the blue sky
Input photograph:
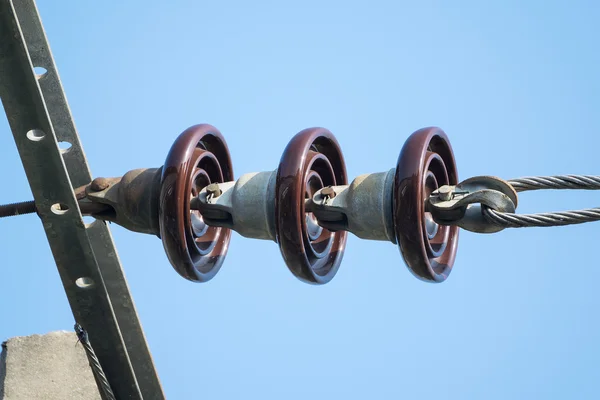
x,y
516,87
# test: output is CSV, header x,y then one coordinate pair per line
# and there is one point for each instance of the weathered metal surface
x,y
246,205
426,162
86,207
363,208
14,209
131,201
461,204
39,118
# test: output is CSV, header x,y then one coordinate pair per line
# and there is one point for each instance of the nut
x,y
99,184
213,190
328,192
445,192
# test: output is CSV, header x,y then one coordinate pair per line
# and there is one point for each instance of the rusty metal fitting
x,y
14,209
99,184
157,201
131,200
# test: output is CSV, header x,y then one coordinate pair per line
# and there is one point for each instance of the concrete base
x,y
48,367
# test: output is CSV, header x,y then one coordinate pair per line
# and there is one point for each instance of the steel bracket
x,y
87,261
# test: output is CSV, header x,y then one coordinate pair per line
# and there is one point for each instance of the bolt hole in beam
x,y
40,72
64,147
35,135
84,282
59,208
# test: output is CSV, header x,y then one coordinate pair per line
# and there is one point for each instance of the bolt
x,y
99,184
328,192
213,190
446,192
9,210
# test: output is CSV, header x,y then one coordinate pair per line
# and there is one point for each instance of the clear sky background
x,y
515,85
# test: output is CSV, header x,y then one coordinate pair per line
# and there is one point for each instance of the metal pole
x,y
85,256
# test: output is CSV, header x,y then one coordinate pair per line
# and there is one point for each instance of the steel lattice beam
x,y
86,258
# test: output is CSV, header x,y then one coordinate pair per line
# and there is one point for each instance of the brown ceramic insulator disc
x,y
198,158
426,162
312,160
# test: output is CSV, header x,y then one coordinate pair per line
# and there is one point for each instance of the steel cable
x,y
104,386
561,218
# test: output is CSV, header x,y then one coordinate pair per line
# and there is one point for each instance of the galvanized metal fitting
x,y
328,192
446,192
246,205
461,205
213,190
363,208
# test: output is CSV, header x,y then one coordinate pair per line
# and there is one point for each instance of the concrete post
x,y
46,367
